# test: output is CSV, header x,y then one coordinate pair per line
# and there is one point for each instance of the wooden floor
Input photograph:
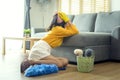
x,y
10,70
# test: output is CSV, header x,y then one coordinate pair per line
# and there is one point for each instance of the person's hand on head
x,y
69,23
63,16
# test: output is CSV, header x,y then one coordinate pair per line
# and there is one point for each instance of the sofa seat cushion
x,y
87,39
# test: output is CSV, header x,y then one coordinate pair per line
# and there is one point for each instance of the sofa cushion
x,y
87,39
85,22
106,21
71,17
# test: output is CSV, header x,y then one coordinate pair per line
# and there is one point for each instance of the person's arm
x,y
65,32
72,27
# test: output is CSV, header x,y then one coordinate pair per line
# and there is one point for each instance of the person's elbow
x,y
76,32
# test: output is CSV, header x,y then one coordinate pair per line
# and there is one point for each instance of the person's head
x,y
59,19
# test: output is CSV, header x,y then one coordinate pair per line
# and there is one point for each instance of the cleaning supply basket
x,y
85,64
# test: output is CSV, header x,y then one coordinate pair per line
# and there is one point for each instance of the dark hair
x,y
54,23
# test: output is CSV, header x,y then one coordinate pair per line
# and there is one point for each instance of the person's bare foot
x,y
24,65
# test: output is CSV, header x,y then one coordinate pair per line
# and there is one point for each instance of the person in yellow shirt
x,y
40,53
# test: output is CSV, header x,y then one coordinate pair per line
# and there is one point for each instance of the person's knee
x,y
66,61
59,63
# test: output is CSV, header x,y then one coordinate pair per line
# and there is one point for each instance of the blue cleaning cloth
x,y
41,69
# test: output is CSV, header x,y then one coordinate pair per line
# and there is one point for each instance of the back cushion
x,y
85,22
71,17
106,21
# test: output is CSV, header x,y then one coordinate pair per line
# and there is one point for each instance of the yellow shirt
x,y
55,36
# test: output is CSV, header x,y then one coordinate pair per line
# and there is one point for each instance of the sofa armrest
x,y
115,43
37,30
116,33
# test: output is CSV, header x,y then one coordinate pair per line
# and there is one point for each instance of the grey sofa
x,y
99,31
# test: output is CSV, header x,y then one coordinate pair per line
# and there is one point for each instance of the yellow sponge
x,y
63,16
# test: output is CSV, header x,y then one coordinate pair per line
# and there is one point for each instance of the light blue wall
x,y
115,5
41,14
